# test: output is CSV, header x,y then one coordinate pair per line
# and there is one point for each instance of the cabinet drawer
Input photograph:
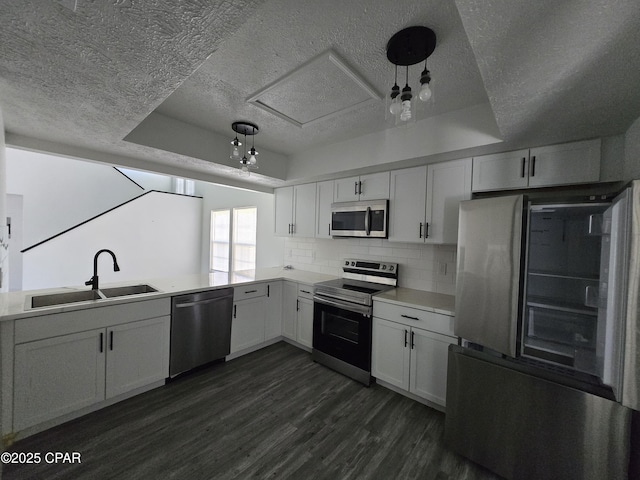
x,y
414,317
47,326
249,291
305,291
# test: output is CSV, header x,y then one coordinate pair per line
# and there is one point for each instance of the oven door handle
x,y
351,307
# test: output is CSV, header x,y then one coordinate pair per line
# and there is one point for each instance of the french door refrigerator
x,y
546,379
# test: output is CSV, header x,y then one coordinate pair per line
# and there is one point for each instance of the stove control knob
x,y
353,264
346,263
391,268
384,267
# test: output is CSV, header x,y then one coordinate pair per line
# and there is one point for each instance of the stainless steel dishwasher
x,y
200,329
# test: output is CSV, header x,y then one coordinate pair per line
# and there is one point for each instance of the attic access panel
x,y
320,89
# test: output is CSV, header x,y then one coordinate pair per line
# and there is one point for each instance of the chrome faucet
x,y
93,281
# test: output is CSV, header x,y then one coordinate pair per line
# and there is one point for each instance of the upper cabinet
x,y
374,186
448,183
424,201
566,164
324,199
295,210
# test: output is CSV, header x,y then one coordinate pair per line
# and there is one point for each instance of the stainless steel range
x,y
342,316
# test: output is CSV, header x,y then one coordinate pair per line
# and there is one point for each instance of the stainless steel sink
x,y
128,290
63,298
75,296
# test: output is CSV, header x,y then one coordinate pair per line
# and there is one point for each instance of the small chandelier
x,y
246,164
407,47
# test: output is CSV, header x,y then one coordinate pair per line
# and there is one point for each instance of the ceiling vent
x,y
322,88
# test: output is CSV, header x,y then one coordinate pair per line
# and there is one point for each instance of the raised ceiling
x,y
79,76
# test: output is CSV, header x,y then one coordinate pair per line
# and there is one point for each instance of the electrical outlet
x,y
442,268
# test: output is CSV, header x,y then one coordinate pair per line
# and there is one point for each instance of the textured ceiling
x,y
83,79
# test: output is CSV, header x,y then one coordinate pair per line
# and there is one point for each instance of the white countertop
x,y
430,301
12,304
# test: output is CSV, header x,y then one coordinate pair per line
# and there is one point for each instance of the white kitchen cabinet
x,y
57,376
428,368
137,354
283,210
410,349
448,183
304,329
390,359
500,171
424,201
295,210
565,164
569,163
273,323
248,323
324,199
374,186
68,361
289,309
408,196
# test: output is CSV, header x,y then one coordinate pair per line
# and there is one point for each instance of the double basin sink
x,y
64,298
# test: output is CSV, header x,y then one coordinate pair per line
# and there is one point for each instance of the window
x,y
233,239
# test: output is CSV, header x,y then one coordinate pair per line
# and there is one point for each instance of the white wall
x,y
419,265
269,247
157,235
148,180
62,192
449,132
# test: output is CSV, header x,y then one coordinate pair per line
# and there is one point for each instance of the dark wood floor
x,y
271,414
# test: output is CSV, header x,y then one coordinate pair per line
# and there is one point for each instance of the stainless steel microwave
x,y
360,219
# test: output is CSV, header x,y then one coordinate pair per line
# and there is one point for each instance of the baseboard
x,y
410,395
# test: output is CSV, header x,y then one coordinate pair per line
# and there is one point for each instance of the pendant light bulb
x,y
235,151
425,79
405,114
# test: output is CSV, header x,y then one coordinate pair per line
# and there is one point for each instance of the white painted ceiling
x,y
78,76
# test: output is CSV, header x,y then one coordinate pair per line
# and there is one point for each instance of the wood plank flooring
x,y
270,414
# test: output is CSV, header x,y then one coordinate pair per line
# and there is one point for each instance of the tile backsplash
x,y
422,267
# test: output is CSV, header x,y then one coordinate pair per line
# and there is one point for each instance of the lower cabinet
x,y
297,313
247,324
273,323
59,375
304,331
411,358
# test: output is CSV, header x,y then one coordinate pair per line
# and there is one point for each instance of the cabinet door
x,y
324,199
346,189
57,376
374,186
500,171
137,354
447,184
304,223
429,353
247,324
305,322
273,324
577,162
289,309
390,352
406,206
283,210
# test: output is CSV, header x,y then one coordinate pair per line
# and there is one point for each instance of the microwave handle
x,y
367,218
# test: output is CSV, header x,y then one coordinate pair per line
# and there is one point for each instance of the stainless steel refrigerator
x,y
546,380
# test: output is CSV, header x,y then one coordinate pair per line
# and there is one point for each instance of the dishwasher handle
x,y
199,302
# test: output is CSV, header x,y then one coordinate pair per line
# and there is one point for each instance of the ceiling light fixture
x,y
407,47
246,164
